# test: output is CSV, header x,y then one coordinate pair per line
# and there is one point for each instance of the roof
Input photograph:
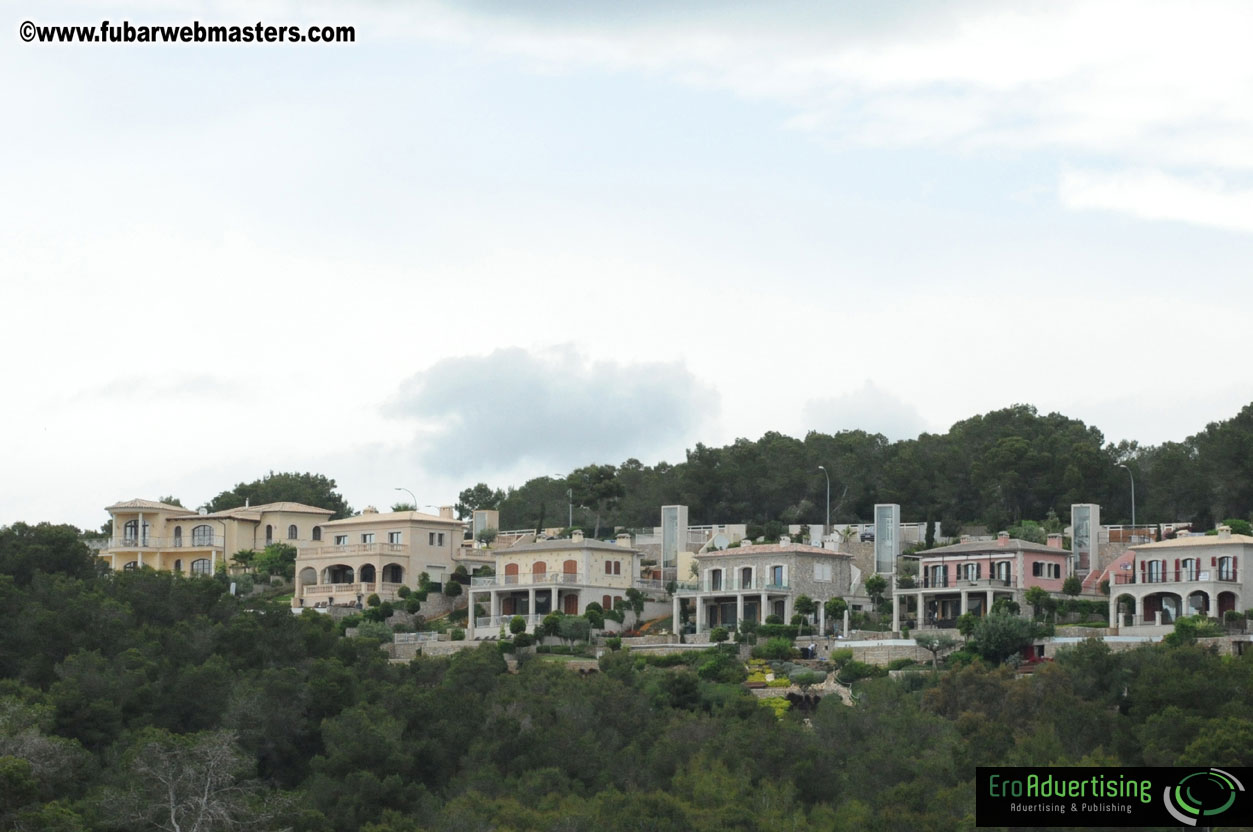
x,y
773,549
393,517
145,505
564,544
993,547
1196,540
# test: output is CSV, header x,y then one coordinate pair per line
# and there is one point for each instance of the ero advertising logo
x,y
1130,796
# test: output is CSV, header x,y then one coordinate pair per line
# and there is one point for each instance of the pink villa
x,y
1153,584
972,576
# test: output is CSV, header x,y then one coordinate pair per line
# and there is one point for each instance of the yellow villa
x,y
163,536
376,553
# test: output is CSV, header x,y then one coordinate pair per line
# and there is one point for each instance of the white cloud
x,y
553,409
1155,195
870,408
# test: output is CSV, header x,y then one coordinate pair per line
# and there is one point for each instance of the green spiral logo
x,y
1202,794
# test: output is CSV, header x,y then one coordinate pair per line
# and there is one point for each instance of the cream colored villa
x,y
375,553
534,579
163,536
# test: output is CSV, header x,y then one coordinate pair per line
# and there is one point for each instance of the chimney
x,y
1002,538
784,540
623,539
445,512
1055,541
369,510
965,538
577,535
1224,531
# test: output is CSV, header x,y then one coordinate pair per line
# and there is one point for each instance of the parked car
x,y
867,536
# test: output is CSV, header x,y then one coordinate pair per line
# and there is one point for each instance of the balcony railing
x,y
1174,576
186,542
664,586
944,582
496,621
542,579
355,550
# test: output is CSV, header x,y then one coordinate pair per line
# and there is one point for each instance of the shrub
x,y
1233,616
779,682
854,670
374,600
517,624
374,629
775,648
404,592
719,635
806,678
614,643
774,619
898,664
412,605
521,640
841,656
457,634
452,589
786,631
506,646
778,704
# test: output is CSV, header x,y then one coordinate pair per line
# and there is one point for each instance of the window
x,y
778,576
715,579
178,566
341,540
394,537
1227,568
292,534
130,567
1041,569
130,533
178,535
606,602
202,535
317,532
269,535
822,572
430,538
746,578
1156,571
1003,572
367,537
970,571
440,539
613,567
201,566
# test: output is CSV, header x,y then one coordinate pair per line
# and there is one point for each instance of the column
x,y
495,603
676,625
556,607
140,556
1113,608
988,608
530,601
896,612
700,614
965,602
822,618
763,610
739,609
296,587
846,616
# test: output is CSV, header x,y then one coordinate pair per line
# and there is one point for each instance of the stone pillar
x,y
676,622
140,557
763,610
988,608
495,603
739,609
530,601
896,612
846,618
700,614
556,606
1157,618
296,588
1114,620
965,602
822,618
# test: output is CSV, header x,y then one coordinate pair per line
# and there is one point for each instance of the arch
x,y
201,566
317,533
746,577
393,573
292,532
1226,602
178,565
202,535
606,602
131,533
338,573
511,573
132,566
178,535
367,573
570,572
571,604
1198,603
308,576
539,569
1168,603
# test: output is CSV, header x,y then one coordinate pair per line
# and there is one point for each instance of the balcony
x,y
944,582
164,543
353,550
1178,576
542,579
732,584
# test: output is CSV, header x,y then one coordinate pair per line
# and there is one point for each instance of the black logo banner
x,y
1113,796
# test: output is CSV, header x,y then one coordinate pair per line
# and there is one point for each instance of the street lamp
x,y
1133,498
411,494
828,476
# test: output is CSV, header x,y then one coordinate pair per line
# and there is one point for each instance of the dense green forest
x,y
996,469
151,701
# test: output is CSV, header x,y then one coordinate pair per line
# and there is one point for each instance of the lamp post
x,y
828,476
411,494
1133,498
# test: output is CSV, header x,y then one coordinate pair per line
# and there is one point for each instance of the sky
x,y
492,240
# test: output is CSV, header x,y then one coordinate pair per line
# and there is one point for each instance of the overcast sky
x,y
493,240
